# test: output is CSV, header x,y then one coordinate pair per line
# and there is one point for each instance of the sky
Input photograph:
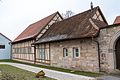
x,y
16,15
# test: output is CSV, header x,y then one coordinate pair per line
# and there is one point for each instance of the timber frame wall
x,y
24,51
43,54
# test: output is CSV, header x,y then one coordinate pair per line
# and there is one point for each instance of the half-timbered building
x,y
22,48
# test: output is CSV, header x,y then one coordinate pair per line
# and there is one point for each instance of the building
x,y
82,42
22,48
73,42
5,47
109,44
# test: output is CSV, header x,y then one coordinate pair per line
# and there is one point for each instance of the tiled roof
x,y
79,26
33,30
117,20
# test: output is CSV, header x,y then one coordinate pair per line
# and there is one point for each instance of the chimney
x,y
91,5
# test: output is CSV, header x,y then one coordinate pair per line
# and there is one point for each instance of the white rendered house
x,y
5,47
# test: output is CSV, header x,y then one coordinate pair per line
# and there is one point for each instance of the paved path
x,y
108,78
51,73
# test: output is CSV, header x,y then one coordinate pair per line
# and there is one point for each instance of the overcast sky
x,y
16,15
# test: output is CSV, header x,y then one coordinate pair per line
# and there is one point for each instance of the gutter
x,y
98,46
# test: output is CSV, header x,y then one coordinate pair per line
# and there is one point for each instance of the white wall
x,y
5,53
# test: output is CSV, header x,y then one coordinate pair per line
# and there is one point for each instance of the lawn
x,y
90,74
12,73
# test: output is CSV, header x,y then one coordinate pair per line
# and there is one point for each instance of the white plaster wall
x,y
5,53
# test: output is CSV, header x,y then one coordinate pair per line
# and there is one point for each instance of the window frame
x,y
76,54
65,52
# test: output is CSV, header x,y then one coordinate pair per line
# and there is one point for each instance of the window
x,y
29,49
42,53
22,50
76,52
2,46
15,50
18,50
65,52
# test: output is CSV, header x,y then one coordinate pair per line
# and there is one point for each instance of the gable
x,y
34,29
55,19
3,38
99,16
82,25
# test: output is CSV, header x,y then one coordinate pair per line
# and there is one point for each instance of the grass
x,y
18,74
90,74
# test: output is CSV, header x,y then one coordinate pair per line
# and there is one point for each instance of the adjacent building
x,y
109,46
22,48
5,47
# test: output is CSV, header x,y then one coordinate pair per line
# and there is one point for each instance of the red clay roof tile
x,y
117,20
33,30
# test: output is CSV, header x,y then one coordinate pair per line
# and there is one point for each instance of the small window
x,y
65,52
42,53
18,50
2,46
76,52
29,49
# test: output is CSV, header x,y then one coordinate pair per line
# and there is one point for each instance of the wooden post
x,y
34,54
49,55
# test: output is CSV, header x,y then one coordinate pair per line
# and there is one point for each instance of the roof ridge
x,y
45,17
77,26
83,12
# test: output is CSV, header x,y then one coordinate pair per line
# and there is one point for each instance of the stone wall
x,y
107,39
87,61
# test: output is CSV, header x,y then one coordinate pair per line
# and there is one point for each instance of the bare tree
x,y
68,14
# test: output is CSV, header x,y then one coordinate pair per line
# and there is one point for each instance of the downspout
x,y
98,46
